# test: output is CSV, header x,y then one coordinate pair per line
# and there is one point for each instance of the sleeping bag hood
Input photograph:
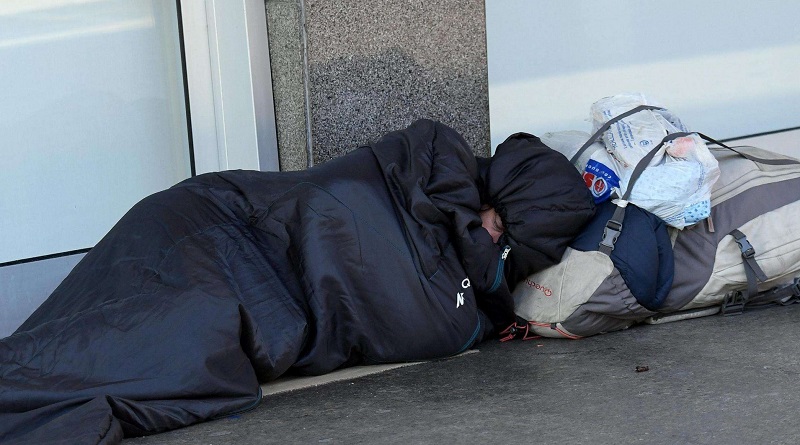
x,y
541,199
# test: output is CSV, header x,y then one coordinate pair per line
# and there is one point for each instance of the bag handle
x,y
747,156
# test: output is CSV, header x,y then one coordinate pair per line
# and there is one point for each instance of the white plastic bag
x,y
677,184
568,142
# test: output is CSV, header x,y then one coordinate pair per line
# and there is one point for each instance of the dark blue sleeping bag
x,y
229,279
202,291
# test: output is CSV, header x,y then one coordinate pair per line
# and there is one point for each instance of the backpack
x,y
594,290
746,252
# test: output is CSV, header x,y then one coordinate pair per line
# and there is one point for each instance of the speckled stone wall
x,y
284,26
373,67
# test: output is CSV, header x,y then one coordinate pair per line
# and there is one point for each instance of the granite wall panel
x,y
373,67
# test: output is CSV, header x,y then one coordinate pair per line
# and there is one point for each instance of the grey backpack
x,y
746,252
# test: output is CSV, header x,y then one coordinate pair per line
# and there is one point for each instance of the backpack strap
x,y
750,157
751,268
735,301
783,295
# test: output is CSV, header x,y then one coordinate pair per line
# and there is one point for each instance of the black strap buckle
x,y
518,329
794,288
733,304
611,233
746,247
753,270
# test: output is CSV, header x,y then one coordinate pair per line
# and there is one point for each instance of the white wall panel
x,y
726,68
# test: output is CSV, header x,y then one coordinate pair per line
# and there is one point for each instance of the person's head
x,y
540,198
492,222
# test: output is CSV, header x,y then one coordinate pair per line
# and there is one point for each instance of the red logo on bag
x,y
596,184
599,186
545,290
588,178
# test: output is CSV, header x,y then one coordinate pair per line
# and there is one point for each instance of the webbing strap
x,y
750,157
786,295
645,161
608,125
783,295
749,256
614,225
735,301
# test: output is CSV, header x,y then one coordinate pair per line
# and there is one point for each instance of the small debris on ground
x,y
642,368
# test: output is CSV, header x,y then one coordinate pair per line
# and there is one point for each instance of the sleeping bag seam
x,y
263,213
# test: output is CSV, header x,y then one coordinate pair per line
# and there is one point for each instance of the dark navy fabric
x,y
202,291
642,254
229,279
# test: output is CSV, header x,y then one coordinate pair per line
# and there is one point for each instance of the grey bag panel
x,y
551,295
611,307
745,191
774,237
738,173
694,250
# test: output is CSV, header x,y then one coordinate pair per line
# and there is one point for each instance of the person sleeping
x,y
403,250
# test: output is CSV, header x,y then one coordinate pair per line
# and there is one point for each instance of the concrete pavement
x,y
713,380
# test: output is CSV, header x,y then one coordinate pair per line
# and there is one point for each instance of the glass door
x,y
104,102
93,118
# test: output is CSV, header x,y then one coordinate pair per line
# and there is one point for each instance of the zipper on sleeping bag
x,y
250,407
472,338
498,278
